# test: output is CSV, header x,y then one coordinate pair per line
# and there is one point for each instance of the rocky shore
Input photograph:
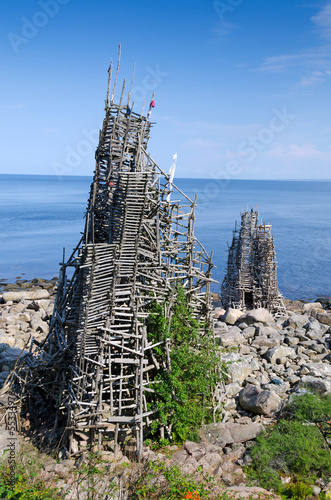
x,y
265,360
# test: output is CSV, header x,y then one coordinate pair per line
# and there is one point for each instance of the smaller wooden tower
x,y
251,277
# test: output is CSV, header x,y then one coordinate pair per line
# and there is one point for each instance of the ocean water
x,y
42,214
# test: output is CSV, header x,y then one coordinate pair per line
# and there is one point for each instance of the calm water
x,y
42,214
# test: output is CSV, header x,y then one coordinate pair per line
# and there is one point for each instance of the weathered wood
x,y
97,362
251,278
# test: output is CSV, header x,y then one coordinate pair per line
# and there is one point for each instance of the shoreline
x,y
21,283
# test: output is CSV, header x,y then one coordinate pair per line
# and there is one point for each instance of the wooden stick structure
x,y
251,277
97,364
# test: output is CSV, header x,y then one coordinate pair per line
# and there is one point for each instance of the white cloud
x,y
323,21
295,151
314,64
314,78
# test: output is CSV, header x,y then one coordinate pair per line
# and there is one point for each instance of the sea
x,y
42,215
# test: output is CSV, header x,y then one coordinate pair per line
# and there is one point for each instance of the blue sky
x,y
242,87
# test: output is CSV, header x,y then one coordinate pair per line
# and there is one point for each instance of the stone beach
x,y
266,360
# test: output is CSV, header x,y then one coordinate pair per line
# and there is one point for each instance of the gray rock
x,y
18,296
231,357
257,315
232,337
324,318
263,379
268,331
252,380
216,434
318,369
259,401
249,332
314,384
231,316
244,432
232,389
255,365
229,433
279,352
195,450
242,326
39,325
239,371
310,306
297,321
316,490
218,311
263,341
229,405
12,329
7,340
278,389
291,341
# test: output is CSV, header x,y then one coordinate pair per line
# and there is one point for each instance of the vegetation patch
x,y
298,446
189,371
158,481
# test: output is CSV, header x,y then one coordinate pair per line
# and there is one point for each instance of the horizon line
x,y
191,178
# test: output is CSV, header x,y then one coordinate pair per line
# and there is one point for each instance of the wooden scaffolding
x,y
97,365
251,277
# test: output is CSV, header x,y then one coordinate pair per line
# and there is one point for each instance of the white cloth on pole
x,y
171,175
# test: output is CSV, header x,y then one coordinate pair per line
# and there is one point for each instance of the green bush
x,y
158,481
294,447
183,390
24,484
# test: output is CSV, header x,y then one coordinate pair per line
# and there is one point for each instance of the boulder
x,y
195,450
7,340
260,402
326,301
39,325
250,492
296,321
232,337
315,384
324,318
216,434
230,433
238,371
231,316
259,315
218,312
318,369
18,296
311,306
249,332
279,352
241,433
232,389
262,341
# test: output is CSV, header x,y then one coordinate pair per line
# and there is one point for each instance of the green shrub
x,y
294,447
24,485
183,390
158,481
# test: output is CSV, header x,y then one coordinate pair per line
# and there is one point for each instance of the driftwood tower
x,y
251,277
97,365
